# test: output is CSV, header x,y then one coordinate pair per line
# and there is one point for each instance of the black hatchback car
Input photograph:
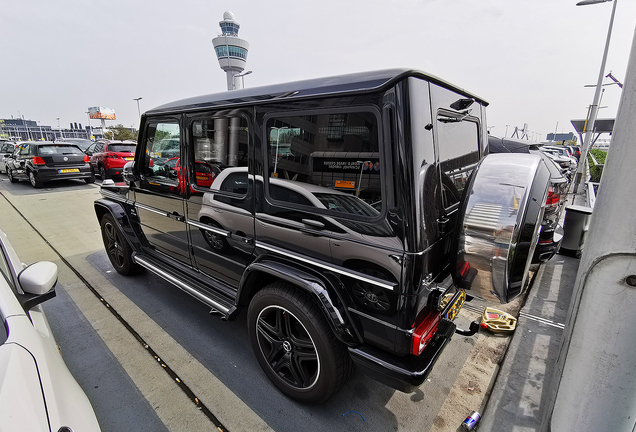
x,y
41,162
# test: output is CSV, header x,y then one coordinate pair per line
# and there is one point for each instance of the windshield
x,y
59,149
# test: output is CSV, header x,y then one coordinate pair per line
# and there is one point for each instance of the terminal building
x,y
29,130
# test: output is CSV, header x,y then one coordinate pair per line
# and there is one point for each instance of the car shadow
x,y
224,349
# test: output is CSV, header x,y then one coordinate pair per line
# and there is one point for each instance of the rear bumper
x,y
549,242
402,373
49,174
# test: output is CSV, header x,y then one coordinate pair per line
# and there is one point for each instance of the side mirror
x,y
37,282
128,172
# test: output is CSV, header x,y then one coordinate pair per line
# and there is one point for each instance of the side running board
x,y
219,304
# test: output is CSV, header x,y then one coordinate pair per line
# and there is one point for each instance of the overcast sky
x,y
530,59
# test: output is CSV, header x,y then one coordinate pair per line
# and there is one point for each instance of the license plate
x,y
129,158
201,177
457,305
68,170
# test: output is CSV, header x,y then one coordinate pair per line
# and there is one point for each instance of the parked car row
x,y
42,161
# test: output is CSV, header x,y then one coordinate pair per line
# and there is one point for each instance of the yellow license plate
x,y
457,305
69,170
129,158
201,178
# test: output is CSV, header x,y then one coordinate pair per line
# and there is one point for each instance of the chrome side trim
x,y
351,274
113,196
209,228
223,309
151,209
379,321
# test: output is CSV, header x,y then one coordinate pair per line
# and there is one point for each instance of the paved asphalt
x,y
131,391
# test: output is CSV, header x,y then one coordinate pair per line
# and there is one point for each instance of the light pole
x,y
277,142
138,110
90,128
242,75
589,129
506,133
59,128
362,164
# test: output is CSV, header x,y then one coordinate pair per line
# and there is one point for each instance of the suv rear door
x,y
220,213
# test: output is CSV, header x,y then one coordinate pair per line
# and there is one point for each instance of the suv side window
x,y
24,150
162,142
331,157
220,140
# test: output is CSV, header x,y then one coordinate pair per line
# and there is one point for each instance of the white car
x,y
6,150
37,391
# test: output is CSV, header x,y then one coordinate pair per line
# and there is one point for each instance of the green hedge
x,y
596,170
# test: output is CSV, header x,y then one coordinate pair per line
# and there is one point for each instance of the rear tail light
x,y
37,160
111,155
151,163
553,198
87,159
425,332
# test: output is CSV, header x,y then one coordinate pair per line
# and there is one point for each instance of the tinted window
x,y
127,148
458,143
336,151
235,183
220,140
47,150
162,143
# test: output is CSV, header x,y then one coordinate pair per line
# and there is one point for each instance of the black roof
x,y
361,82
510,145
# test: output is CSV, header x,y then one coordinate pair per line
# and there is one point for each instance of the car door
x,y
220,212
160,205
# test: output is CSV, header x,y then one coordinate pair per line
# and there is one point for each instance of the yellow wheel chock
x,y
498,321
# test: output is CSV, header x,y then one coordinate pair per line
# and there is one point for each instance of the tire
x,y
90,179
216,241
102,172
294,345
117,248
34,180
10,175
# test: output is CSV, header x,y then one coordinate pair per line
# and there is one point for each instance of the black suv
x,y
287,233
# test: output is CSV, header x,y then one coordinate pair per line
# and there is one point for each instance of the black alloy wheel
x,y
102,172
10,175
117,248
216,241
34,180
294,345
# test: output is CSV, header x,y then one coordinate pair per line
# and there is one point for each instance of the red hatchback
x,y
205,173
109,157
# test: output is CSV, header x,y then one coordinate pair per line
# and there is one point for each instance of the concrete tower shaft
x,y
231,51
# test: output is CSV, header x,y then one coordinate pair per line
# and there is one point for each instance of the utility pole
x,y
594,386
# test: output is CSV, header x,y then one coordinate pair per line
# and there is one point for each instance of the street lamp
x,y
278,129
138,110
90,128
589,129
362,164
242,75
60,129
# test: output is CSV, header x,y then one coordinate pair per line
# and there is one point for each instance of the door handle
x,y
313,223
176,216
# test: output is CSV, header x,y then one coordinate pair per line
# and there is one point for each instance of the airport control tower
x,y
231,51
